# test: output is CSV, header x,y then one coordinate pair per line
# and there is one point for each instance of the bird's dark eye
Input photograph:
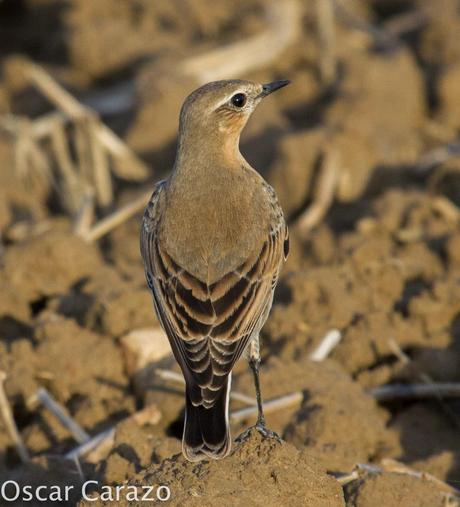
x,y
239,99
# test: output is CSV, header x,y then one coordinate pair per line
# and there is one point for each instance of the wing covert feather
x,y
209,326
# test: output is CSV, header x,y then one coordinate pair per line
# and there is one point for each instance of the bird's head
x,y
222,108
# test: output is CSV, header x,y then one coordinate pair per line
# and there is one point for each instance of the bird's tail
x,y
206,430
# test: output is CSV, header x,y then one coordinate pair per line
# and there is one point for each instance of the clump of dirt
x,y
49,264
394,490
438,46
449,93
82,371
293,170
370,133
359,434
428,439
287,475
135,447
386,279
23,197
337,422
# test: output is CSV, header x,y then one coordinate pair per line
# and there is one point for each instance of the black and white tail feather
x,y
206,430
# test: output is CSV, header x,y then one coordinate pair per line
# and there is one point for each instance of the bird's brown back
x,y
214,220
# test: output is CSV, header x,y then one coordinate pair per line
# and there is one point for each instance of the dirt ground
x,y
382,267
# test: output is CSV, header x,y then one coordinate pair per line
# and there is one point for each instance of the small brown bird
x,y
213,240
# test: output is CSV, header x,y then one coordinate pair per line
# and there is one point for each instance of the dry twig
x,y
394,392
8,420
435,393
446,208
384,37
101,441
96,447
120,216
284,27
23,229
326,345
405,23
326,31
85,215
31,162
94,142
437,156
393,466
43,397
286,401
71,184
324,194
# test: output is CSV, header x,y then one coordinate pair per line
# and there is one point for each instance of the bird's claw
x,y
263,430
268,433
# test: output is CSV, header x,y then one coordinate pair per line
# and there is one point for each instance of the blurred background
x,y
362,148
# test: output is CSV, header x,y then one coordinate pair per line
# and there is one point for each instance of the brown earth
x,y
383,267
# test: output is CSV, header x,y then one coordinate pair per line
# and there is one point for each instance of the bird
x,y
213,240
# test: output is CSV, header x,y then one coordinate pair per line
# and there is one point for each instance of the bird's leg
x,y
254,364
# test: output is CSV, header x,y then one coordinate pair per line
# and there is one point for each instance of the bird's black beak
x,y
271,87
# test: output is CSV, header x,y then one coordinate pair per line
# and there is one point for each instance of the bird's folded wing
x,y
209,326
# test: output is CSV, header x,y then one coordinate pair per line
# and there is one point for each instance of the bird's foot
x,y
268,433
262,429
